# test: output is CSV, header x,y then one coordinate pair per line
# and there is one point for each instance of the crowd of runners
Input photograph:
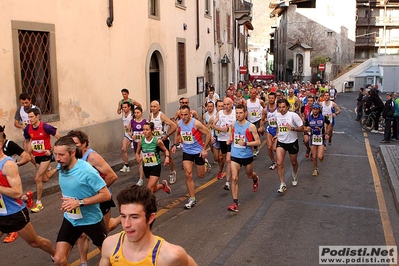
x,y
230,128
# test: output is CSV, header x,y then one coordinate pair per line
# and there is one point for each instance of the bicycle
x,y
367,121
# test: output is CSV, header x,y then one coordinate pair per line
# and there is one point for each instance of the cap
x,y
389,93
316,105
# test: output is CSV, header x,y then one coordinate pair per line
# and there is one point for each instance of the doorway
x,y
155,89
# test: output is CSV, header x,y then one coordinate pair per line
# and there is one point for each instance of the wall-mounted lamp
x,y
208,30
184,26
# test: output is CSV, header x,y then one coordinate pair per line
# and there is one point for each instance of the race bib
x,y
329,116
138,135
74,214
273,122
187,137
158,132
237,138
38,145
149,159
283,128
254,113
26,122
3,209
317,140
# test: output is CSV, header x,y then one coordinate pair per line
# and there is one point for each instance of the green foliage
x,y
319,60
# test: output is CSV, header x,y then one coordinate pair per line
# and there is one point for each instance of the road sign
x,y
243,70
321,67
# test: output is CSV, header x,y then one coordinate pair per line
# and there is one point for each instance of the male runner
x,y
269,115
159,119
136,244
305,112
224,121
38,134
255,107
330,110
125,95
208,118
288,124
317,125
82,189
244,135
190,131
127,139
14,216
81,140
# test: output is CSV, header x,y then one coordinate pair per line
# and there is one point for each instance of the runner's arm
x,y
98,162
10,170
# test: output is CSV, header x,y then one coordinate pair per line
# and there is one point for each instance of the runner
x,y
255,107
137,134
190,131
127,139
295,103
305,113
269,115
244,135
147,154
125,95
160,119
82,189
38,134
317,125
330,110
81,140
136,244
224,121
14,216
208,118
288,124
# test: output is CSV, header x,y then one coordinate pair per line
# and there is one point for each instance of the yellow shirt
x,y
117,257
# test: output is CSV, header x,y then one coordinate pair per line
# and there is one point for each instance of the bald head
x,y
155,107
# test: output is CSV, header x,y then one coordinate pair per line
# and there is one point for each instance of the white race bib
x,y
149,159
317,140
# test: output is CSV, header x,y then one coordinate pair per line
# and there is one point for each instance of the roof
x,y
278,9
302,45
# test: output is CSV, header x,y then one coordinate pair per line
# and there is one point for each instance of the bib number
x,y
237,138
187,137
3,209
317,140
38,145
138,135
74,214
149,159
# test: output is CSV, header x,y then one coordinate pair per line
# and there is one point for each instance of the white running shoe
x,y
191,203
125,169
282,188
140,182
172,177
294,180
273,166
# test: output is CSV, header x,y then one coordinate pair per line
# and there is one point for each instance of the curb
x,y
390,161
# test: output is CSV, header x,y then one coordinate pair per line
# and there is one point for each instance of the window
x,y
207,7
255,69
153,9
228,28
181,66
329,33
217,25
255,59
35,65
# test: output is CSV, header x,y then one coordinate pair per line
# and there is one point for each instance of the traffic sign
x,y
243,70
321,67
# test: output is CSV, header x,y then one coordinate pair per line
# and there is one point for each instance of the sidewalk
x,y
114,159
390,161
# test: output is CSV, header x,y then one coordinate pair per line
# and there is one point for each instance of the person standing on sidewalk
x,y
395,124
38,134
136,244
127,139
81,140
243,137
14,216
387,114
190,131
160,119
82,190
359,108
288,124
374,103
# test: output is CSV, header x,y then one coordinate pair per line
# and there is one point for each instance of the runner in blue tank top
x,y
190,131
244,136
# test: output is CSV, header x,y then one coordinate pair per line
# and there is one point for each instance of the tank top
x,y
137,129
158,126
292,103
271,117
316,134
8,205
191,137
207,118
327,111
40,140
149,152
24,115
254,110
241,132
117,257
225,120
126,121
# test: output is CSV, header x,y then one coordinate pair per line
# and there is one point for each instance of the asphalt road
x,y
349,203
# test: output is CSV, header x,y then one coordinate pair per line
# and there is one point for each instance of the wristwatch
x,y
81,203
293,128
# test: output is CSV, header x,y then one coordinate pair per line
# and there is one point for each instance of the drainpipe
x,y
198,29
110,19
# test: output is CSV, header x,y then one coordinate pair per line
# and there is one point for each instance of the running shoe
x,y
140,182
384,141
273,166
125,169
307,152
28,198
227,186
255,154
166,188
220,175
233,207
179,146
11,237
294,180
37,208
255,185
282,188
395,140
191,203
315,172
208,166
172,177
374,131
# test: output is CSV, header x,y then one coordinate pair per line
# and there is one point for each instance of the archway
x,y
155,88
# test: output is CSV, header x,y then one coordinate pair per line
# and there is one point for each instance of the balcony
x,y
242,13
371,41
